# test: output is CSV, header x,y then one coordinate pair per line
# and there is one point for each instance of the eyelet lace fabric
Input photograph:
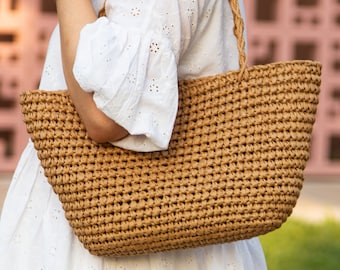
x,y
141,50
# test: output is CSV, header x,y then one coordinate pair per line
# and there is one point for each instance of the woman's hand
x,y
73,16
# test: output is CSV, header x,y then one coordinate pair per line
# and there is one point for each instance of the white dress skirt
x,y
131,60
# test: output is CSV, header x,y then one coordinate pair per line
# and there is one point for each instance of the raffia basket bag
x,y
233,170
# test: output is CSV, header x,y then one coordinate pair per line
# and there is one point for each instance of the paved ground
x,y
4,183
319,199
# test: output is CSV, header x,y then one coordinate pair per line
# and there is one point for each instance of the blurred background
x,y
278,30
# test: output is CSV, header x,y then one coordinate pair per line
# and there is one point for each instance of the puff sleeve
x,y
133,76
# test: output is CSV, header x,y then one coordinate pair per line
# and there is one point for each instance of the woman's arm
x,y
73,16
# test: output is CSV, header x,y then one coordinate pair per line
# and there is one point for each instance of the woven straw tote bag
x,y
233,170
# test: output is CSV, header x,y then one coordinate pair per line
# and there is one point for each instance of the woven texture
x,y
233,170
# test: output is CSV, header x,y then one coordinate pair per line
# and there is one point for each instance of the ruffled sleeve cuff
x,y
133,76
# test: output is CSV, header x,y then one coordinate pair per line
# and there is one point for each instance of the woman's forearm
x,y
73,15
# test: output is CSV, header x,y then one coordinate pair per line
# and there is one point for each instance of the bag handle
x,y
238,32
102,11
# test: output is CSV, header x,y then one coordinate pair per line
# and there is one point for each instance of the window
x,y
305,50
334,151
48,6
266,10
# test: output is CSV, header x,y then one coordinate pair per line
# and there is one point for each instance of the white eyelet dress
x,y
131,60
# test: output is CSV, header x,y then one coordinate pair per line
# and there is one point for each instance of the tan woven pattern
x,y
234,168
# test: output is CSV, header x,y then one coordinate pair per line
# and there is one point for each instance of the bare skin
x,y
73,16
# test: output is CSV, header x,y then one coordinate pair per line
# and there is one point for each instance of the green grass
x,y
299,245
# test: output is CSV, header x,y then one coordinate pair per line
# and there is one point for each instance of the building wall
x,y
278,30
25,26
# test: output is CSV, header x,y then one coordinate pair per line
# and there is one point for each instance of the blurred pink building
x,y
25,27
278,30
281,30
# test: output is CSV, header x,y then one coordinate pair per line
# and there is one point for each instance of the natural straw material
x,y
233,170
